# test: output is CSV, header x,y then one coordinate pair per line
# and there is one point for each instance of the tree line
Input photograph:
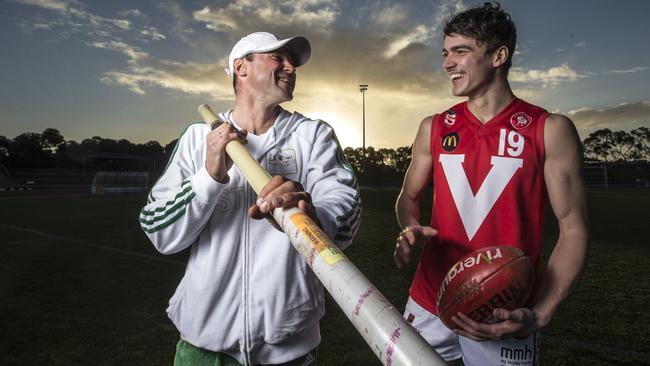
x,y
50,149
609,146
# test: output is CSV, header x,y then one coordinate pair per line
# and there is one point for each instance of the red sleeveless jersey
x,y
489,189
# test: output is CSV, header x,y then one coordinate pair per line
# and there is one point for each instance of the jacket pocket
x,y
175,300
302,310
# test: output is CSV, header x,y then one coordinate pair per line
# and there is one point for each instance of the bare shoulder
x,y
560,134
428,119
421,143
418,173
558,124
427,122
425,127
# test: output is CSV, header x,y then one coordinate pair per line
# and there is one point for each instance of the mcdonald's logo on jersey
x,y
450,141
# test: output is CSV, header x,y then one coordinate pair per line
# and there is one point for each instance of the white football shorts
x,y
450,346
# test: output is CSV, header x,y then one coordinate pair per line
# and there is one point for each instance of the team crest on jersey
x,y
450,118
450,141
282,162
520,120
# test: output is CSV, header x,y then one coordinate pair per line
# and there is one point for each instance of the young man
x,y
495,161
247,296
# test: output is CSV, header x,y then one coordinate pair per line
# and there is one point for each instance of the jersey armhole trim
x,y
434,133
541,144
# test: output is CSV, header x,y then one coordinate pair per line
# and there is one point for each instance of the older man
x,y
247,297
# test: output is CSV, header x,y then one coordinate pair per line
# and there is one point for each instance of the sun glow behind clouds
x,y
392,117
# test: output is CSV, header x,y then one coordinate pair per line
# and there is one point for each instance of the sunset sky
x,y
139,69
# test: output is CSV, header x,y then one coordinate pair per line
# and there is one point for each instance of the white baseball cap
x,y
259,42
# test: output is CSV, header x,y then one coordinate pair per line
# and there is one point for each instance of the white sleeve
x,y
333,187
181,202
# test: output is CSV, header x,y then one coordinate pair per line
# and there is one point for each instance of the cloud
x,y
396,51
550,77
444,11
520,50
245,16
418,34
374,45
399,63
621,117
628,71
393,56
74,19
144,70
133,53
391,15
59,5
40,26
181,25
396,58
134,13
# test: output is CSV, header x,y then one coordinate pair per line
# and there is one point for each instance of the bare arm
x,y
407,208
563,177
418,175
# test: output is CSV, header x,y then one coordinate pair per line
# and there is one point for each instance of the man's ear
x,y
500,56
239,67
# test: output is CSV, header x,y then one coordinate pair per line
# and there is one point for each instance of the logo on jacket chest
x,y
282,162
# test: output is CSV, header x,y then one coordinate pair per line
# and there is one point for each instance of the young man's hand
x,y
519,323
408,239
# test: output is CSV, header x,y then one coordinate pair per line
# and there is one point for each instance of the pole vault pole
x,y
389,336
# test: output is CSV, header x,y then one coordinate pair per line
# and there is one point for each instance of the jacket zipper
x,y
247,341
245,237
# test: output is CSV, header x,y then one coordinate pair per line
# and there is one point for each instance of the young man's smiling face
x,y
467,65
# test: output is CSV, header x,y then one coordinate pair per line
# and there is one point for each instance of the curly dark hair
x,y
487,24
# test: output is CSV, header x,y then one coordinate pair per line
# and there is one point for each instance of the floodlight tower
x,y
363,88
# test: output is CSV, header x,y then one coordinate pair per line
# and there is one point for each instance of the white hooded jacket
x,y
246,291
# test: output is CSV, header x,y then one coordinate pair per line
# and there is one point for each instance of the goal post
x,y
119,182
596,176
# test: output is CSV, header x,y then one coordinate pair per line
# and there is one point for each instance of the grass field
x,y
81,285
